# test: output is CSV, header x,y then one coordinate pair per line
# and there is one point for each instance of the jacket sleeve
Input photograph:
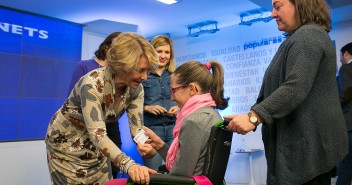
x,y
135,110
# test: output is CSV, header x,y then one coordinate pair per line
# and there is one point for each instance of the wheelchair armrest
x,y
162,169
166,179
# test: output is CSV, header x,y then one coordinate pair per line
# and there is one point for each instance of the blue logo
x,y
263,42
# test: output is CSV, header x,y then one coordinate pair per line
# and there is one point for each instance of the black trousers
x,y
323,179
113,133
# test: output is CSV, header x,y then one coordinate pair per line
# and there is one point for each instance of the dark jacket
x,y
345,91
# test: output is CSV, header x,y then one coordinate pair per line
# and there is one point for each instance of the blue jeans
x,y
165,133
344,169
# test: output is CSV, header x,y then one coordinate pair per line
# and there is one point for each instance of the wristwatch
x,y
253,119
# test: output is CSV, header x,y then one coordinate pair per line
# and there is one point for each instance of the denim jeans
x,y
165,133
344,169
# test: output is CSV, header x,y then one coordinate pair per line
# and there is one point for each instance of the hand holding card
x,y
140,137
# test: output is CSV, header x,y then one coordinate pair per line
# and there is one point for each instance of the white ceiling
x,y
152,17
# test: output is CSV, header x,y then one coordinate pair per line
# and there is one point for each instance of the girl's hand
x,y
154,140
173,111
146,150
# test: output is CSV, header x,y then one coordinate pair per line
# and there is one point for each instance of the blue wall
x,y
37,58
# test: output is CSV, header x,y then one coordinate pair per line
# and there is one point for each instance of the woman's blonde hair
x,y
162,40
125,52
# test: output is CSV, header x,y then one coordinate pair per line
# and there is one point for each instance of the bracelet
x,y
119,158
122,159
128,165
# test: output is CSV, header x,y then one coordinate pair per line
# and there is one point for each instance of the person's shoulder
x,y
84,62
135,92
204,110
98,72
310,30
208,114
312,36
200,120
314,27
346,67
97,75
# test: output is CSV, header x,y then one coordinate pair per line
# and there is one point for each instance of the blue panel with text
x,y
38,55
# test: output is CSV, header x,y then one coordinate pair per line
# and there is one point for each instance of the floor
x,y
333,181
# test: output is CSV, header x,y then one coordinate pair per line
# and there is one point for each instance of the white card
x,y
140,137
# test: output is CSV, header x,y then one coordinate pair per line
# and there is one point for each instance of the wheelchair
x,y
218,153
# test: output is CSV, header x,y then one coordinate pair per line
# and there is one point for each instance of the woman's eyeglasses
x,y
173,90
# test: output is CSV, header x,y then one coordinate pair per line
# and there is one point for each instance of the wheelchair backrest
x,y
218,153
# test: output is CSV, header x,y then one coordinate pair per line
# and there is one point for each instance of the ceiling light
x,y
200,28
169,1
256,15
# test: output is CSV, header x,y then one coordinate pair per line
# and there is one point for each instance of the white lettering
x,y
43,34
16,29
20,30
5,27
30,31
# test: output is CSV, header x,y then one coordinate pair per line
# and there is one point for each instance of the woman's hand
x,y
146,150
155,109
240,124
140,174
154,140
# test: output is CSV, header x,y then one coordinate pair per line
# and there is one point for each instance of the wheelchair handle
x,y
222,123
226,122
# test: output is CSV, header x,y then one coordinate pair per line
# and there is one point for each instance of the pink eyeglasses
x,y
173,90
